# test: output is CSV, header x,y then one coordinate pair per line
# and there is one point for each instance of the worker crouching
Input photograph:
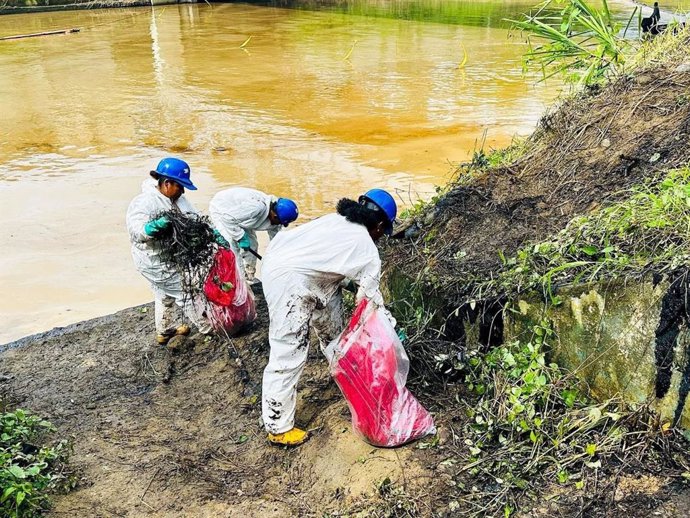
x,y
161,193
302,273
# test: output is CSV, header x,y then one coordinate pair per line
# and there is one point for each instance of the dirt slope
x,y
583,156
161,434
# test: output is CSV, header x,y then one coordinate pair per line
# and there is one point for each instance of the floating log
x,y
35,34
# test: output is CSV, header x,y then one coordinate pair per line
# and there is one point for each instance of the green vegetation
x,y
531,430
649,231
29,470
579,41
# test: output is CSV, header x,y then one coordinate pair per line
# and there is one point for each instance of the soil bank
x,y
161,433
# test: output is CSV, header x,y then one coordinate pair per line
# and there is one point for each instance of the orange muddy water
x,y
316,105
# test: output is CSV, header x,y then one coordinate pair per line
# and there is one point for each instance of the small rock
x,y
444,435
683,67
606,143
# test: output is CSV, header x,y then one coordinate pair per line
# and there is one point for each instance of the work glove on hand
x,y
244,243
153,227
220,240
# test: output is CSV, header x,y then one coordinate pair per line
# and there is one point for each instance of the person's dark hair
x,y
356,213
160,179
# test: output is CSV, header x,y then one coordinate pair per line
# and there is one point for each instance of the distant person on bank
x,y
238,213
164,191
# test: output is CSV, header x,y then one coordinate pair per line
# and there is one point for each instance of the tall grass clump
x,y
574,39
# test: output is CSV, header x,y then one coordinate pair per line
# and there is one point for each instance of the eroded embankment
x,y
584,156
179,434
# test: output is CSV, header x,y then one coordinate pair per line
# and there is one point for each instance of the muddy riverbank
x,y
162,433
178,433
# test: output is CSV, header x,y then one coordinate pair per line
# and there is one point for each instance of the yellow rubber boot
x,y
164,338
182,330
293,437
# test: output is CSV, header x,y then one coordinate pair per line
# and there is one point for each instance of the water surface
x,y
319,104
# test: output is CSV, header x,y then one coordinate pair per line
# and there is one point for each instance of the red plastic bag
x,y
230,300
369,364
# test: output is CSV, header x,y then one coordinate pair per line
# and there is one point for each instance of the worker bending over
x,y
163,192
302,272
239,212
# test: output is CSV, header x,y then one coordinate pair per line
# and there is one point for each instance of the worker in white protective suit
x,y
302,273
163,192
238,213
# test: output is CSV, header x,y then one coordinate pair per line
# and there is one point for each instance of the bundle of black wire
x,y
187,246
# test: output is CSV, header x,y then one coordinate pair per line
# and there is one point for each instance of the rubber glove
x,y
245,243
220,240
153,227
402,335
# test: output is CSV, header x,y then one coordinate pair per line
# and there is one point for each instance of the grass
x,y
668,48
649,231
580,42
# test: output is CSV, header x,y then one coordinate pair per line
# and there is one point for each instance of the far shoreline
x,y
89,4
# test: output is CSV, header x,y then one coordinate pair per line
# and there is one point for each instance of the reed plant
x,y
575,39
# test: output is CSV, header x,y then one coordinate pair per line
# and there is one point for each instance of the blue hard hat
x,y
383,201
176,170
286,210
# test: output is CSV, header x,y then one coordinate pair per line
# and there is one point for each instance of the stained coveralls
x,y
240,210
166,283
302,272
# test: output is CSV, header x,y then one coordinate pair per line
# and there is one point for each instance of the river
x,y
320,103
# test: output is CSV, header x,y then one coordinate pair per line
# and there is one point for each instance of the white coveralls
x,y
166,284
238,210
302,272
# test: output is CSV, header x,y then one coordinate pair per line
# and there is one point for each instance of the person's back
x,y
329,244
302,271
238,209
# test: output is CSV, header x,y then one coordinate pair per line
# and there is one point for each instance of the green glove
x,y
220,240
153,227
245,243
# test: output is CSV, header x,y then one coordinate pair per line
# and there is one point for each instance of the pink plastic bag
x,y
369,364
230,300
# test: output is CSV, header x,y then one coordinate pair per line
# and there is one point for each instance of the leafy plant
x,y
29,471
420,206
577,40
530,428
